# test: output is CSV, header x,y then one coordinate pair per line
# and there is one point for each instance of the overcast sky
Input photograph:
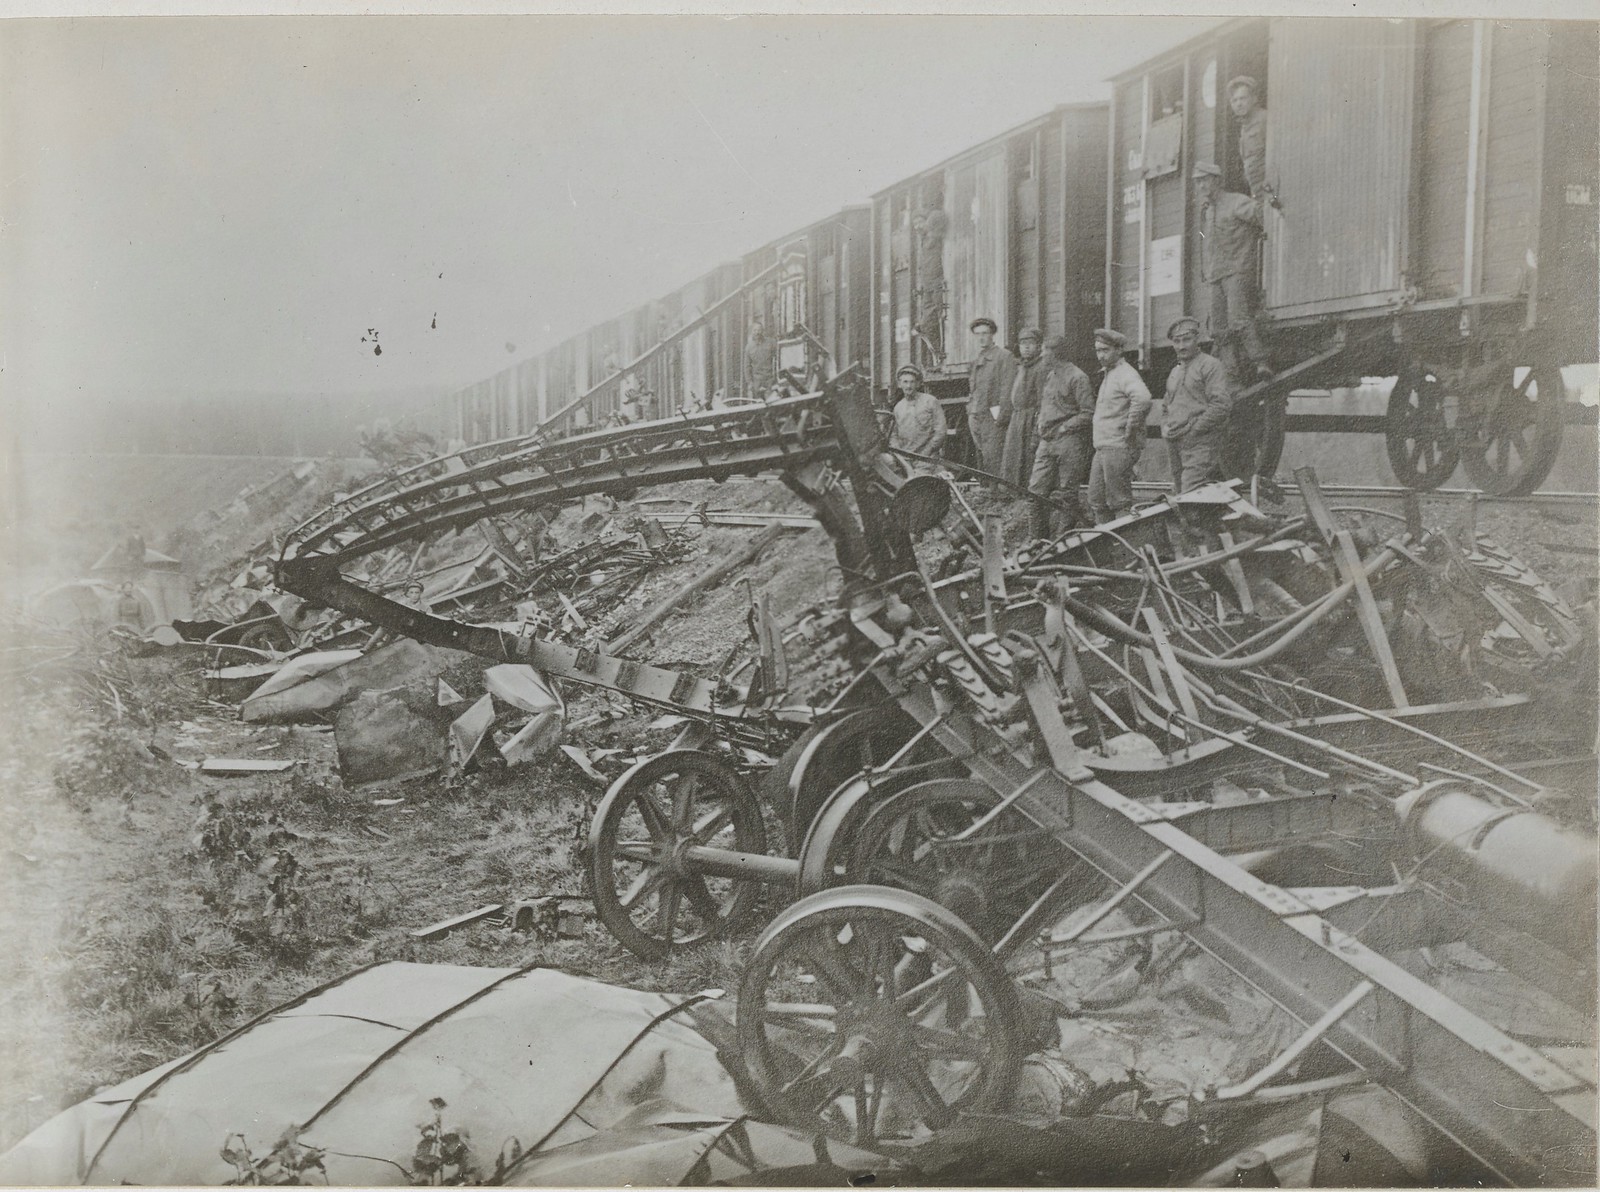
x,y
231,203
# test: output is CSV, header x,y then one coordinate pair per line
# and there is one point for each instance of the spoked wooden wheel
x,y
841,751
1516,431
877,1016
1417,431
939,839
647,890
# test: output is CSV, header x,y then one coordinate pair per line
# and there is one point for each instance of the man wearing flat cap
x,y
988,382
1120,411
919,424
1066,442
1230,225
1244,100
1199,402
1017,424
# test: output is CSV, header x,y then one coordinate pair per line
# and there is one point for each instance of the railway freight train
x,y
1428,214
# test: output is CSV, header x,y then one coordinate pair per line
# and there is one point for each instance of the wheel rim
x,y
922,839
1421,441
645,891
877,1016
1516,432
841,751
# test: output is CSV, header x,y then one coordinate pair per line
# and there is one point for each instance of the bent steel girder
x,y
1514,1111
496,478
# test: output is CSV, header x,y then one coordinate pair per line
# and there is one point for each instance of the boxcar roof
x,y
1084,106
1224,25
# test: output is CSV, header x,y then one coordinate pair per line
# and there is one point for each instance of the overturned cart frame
x,y
968,791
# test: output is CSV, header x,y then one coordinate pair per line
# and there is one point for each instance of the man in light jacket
x,y
1066,423
919,424
1199,401
1120,411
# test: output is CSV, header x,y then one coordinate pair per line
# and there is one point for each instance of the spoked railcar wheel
x,y
1516,431
1417,430
646,889
877,1016
941,840
841,751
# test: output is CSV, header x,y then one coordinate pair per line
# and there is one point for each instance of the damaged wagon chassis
x,y
1025,756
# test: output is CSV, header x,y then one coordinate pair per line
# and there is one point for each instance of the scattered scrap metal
x,y
1226,772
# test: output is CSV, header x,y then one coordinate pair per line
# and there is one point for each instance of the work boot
x,y
1039,521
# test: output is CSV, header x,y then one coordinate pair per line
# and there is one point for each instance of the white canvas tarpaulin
x,y
588,1083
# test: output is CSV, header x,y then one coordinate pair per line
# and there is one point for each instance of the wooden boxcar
x,y
811,289
1435,220
1009,229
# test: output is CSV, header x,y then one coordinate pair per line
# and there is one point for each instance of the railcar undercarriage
x,y
1278,754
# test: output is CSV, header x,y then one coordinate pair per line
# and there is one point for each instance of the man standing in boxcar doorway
x,y
1244,100
1066,444
989,381
1018,421
1199,402
1120,411
1230,225
760,360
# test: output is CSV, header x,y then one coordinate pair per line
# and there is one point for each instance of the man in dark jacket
x,y
988,384
1231,225
1244,101
1066,427
1017,424
760,362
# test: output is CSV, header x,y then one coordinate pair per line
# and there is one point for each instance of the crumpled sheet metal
x,y
538,1056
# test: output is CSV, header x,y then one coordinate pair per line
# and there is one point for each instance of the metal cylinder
x,y
1518,865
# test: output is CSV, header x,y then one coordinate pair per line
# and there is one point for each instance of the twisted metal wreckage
x,y
1030,786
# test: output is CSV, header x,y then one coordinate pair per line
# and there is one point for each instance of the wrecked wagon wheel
x,y
1516,432
837,754
648,890
877,1016
1422,446
939,840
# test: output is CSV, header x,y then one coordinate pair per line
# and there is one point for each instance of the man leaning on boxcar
x,y
1120,411
1199,400
1066,428
1231,227
1017,424
988,384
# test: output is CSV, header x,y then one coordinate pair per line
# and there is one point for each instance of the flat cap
x,y
912,369
1114,339
1244,81
983,321
1183,321
1058,345
1030,333
1204,168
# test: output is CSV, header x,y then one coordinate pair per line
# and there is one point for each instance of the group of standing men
x,y
1039,421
